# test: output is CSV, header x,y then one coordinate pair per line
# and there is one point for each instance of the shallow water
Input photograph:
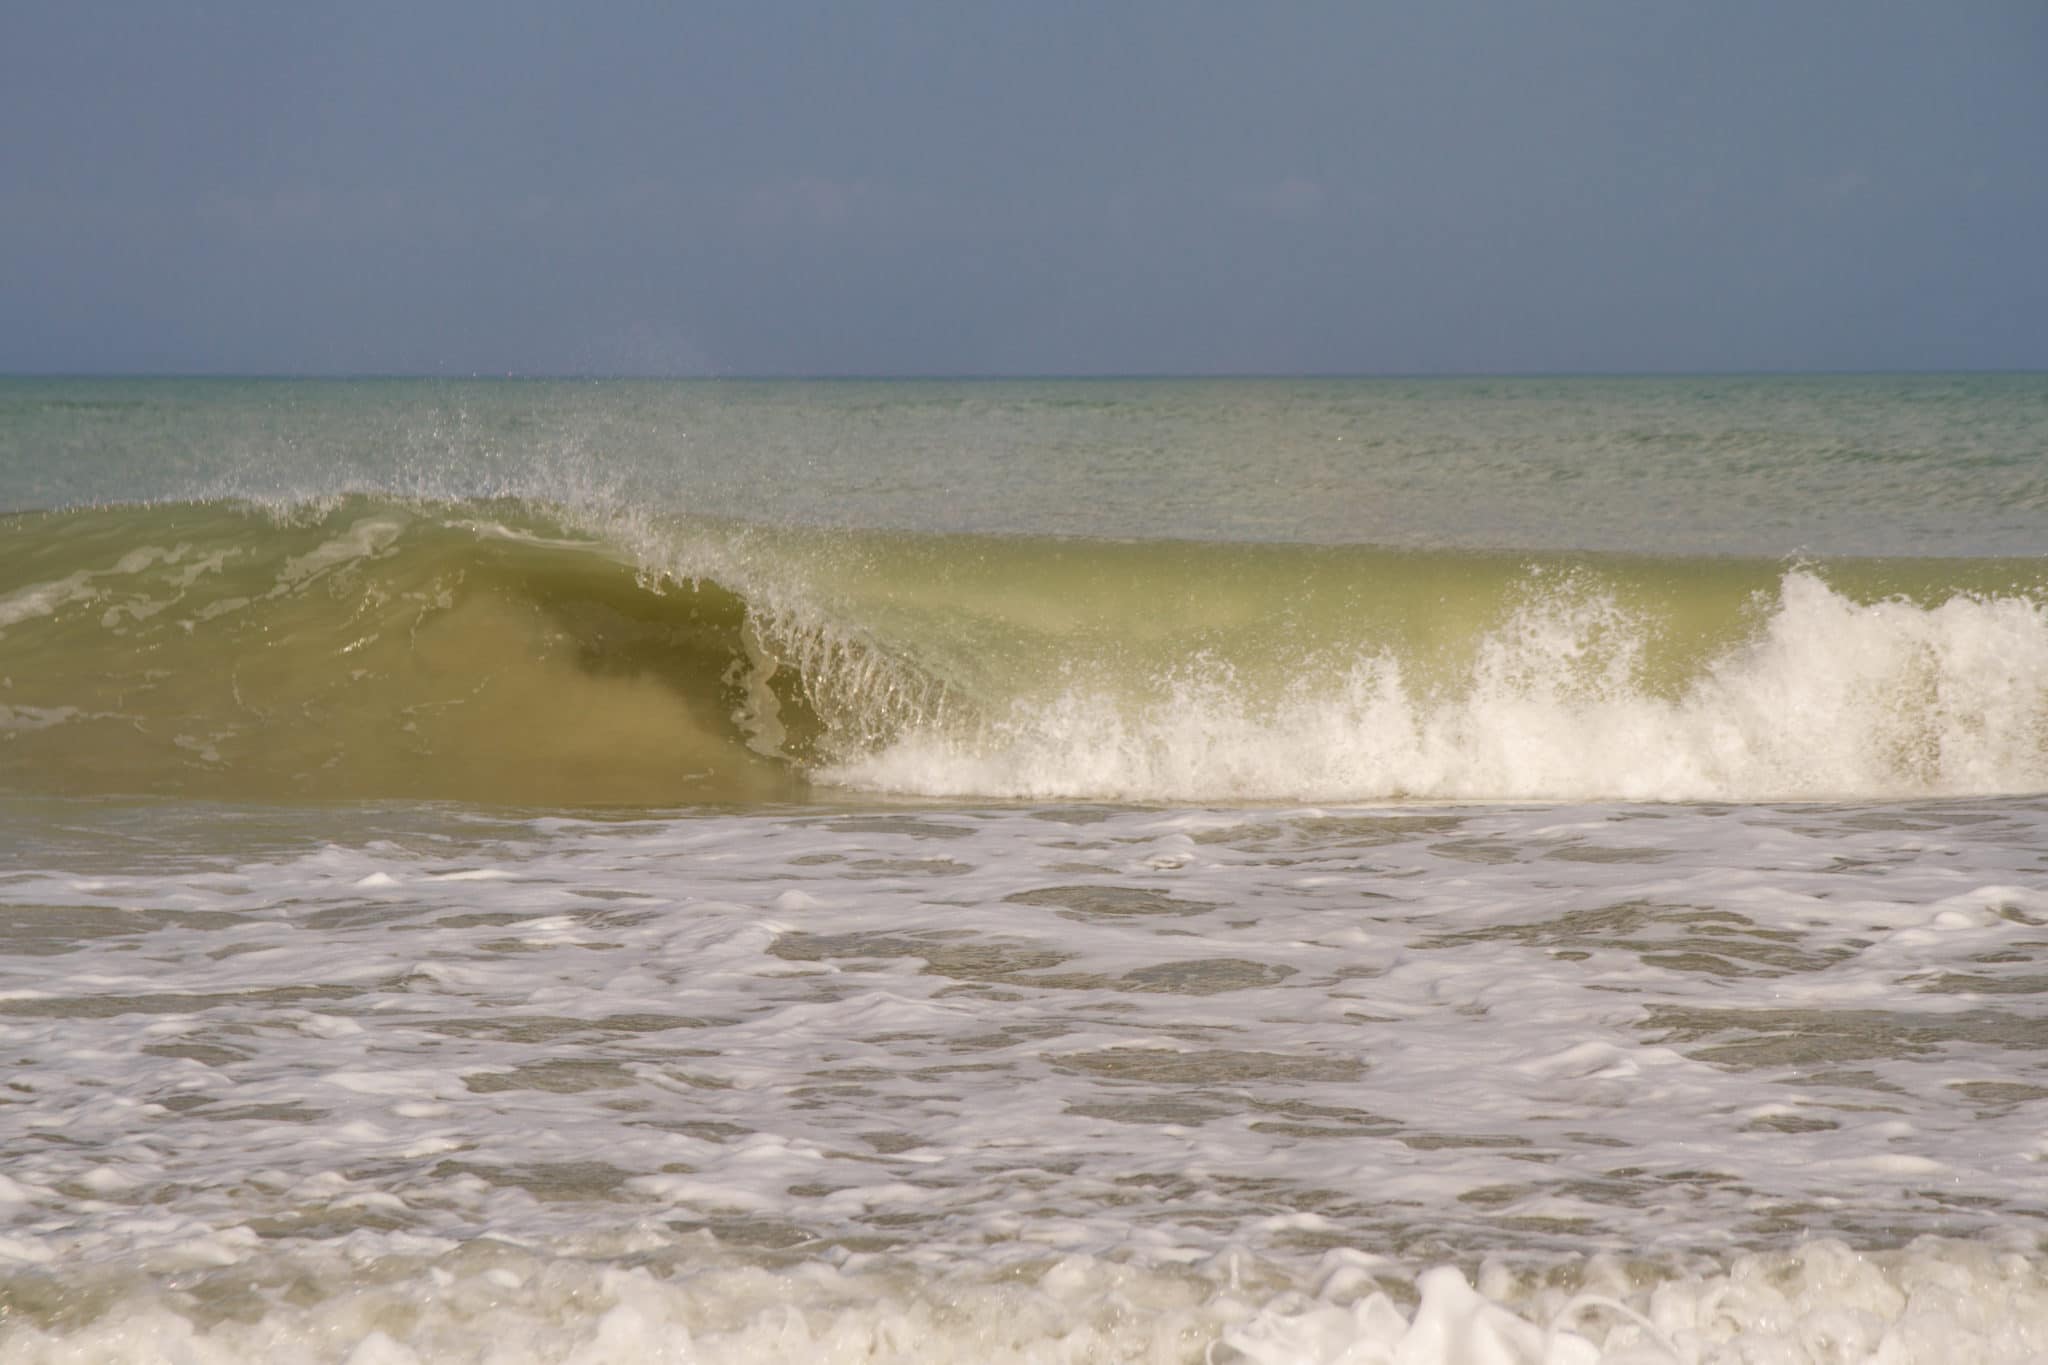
x,y
1160,1022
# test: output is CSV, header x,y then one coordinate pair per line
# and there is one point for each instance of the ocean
x,y
1488,871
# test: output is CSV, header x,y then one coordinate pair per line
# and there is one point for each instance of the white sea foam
x,y
36,717
366,539
986,1038
1636,1083
89,585
385,1301
43,599
1831,698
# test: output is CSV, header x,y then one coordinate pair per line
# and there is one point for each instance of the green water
x,y
1771,465
652,593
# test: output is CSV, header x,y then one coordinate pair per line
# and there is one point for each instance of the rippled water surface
x,y
1029,939
932,1037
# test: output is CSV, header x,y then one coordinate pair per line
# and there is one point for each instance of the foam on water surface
x,y
382,648
1828,698
1820,1304
1120,1084
807,1077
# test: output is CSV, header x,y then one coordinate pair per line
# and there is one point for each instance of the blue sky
x,y
908,188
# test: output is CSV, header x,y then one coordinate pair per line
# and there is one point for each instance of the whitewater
x,y
1477,871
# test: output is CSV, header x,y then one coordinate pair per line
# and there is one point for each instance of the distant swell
x,y
499,652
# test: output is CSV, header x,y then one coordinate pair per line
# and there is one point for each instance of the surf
x,y
516,652
369,649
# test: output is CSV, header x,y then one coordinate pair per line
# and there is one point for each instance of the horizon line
x,y
966,376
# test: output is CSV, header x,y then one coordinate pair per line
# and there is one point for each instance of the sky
x,y
1028,187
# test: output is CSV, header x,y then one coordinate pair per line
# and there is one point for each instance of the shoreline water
x,y
1104,990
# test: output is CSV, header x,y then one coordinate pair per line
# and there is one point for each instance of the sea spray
x,y
482,942
1831,698
374,647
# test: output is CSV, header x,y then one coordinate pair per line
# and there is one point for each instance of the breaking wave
x,y
367,647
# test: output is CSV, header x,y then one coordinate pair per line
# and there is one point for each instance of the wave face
x,y
365,649
507,651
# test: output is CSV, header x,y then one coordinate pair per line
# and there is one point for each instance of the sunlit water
x,y
1089,966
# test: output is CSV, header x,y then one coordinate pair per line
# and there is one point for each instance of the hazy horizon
x,y
964,377
921,190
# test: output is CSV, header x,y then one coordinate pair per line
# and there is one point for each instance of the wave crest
x,y
1831,698
499,652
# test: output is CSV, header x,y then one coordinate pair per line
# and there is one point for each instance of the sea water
x,y
1469,870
